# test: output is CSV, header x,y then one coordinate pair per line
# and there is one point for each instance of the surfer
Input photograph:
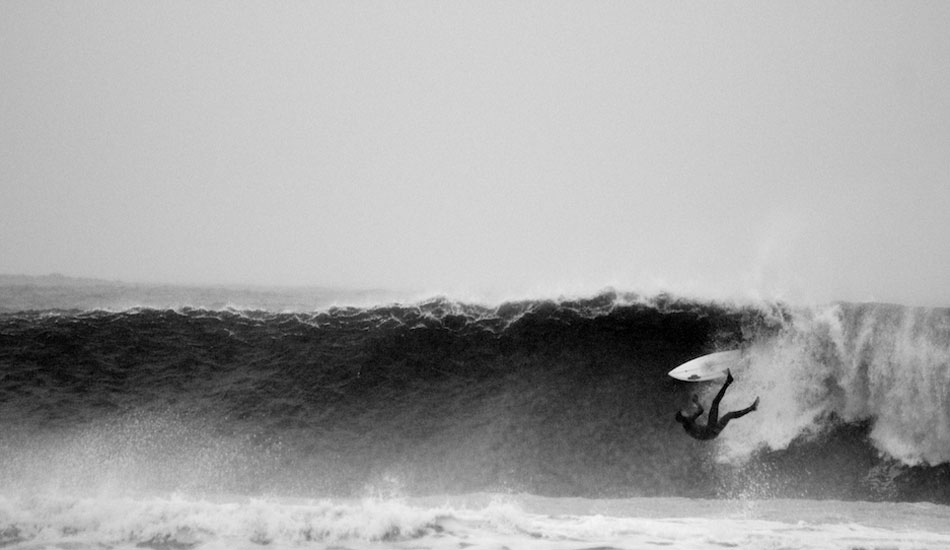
x,y
714,424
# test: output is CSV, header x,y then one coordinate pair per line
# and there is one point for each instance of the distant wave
x,y
55,292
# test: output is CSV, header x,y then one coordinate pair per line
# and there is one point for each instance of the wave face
x,y
554,398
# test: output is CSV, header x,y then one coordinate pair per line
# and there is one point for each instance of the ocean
x,y
268,420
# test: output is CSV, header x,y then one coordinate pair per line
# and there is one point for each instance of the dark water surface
x,y
555,398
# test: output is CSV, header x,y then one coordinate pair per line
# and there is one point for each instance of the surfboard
x,y
707,367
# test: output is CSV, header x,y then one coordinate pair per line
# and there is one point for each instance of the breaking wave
x,y
559,398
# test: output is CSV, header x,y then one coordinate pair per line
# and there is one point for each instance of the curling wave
x,y
558,398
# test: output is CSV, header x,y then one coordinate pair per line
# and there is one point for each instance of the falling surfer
x,y
714,425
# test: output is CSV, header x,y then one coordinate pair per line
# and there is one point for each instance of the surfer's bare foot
x,y
728,376
755,404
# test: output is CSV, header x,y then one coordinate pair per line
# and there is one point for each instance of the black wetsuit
x,y
714,425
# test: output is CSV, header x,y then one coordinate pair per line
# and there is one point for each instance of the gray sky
x,y
798,150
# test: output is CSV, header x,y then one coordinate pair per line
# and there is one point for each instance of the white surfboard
x,y
707,367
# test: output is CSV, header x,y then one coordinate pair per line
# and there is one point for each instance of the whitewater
x,y
445,424
472,521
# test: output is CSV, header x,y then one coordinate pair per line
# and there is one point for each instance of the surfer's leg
x,y
737,414
714,409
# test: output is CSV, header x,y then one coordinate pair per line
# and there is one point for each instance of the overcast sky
x,y
798,150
